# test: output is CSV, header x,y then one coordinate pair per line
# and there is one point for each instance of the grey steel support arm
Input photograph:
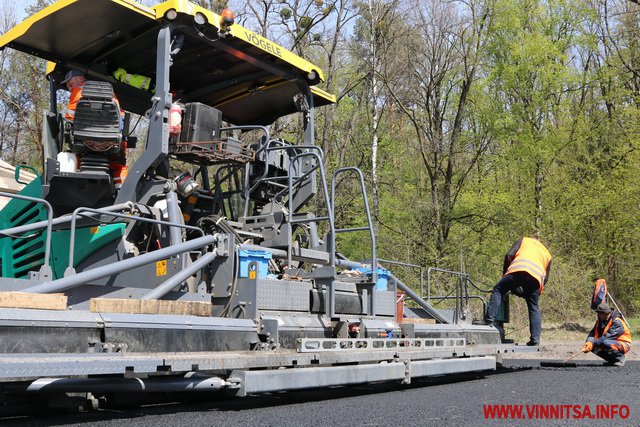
x,y
165,287
111,212
157,146
120,266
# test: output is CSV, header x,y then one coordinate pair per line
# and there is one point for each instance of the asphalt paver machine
x,y
204,267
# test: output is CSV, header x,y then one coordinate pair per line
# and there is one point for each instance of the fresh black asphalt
x,y
450,401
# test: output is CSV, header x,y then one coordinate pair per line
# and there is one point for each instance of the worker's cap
x,y
71,74
603,307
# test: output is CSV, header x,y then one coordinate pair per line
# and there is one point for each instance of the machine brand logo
x,y
263,44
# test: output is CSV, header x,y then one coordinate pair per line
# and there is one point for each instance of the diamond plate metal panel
x,y
283,295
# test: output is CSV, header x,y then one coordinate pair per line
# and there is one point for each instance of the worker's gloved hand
x,y
120,74
587,347
135,80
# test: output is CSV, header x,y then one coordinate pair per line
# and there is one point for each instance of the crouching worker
x,y
610,338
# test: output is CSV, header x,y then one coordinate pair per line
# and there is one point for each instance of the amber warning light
x,y
227,18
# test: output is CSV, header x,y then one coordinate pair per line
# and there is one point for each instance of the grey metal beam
x,y
427,368
120,266
165,287
48,365
157,147
301,378
127,385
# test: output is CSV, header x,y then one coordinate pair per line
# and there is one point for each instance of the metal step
x,y
309,255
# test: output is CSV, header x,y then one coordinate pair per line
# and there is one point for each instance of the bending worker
x,y
610,337
525,272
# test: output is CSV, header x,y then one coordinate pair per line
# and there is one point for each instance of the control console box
x,y
200,123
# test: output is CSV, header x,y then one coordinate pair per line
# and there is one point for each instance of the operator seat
x,y
95,135
96,126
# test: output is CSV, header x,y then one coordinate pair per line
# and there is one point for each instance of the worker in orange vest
x,y
525,272
610,337
74,80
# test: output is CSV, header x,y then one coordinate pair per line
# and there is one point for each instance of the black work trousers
x,y
531,294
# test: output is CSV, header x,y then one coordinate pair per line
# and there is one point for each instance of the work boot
x,y
482,323
619,363
533,343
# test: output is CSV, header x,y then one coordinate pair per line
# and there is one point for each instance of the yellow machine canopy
x,y
249,78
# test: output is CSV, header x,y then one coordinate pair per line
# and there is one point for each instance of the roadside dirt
x,y
561,341
558,350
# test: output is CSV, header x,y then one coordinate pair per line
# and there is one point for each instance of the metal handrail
x,y
247,128
461,289
327,201
440,270
120,266
283,148
404,264
374,259
47,248
77,212
445,297
273,180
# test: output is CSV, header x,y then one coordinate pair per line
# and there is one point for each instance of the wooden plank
x,y
33,301
417,320
136,306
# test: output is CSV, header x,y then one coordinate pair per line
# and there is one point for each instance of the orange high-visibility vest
x,y
533,258
74,97
626,335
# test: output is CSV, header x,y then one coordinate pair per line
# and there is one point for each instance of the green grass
x,y
634,324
